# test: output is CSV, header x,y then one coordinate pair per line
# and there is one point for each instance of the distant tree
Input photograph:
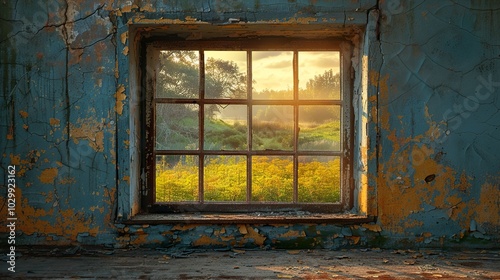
x,y
179,78
324,85
179,75
224,79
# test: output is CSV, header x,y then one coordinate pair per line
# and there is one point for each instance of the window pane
x,y
272,75
319,128
225,74
225,178
179,74
272,127
225,127
176,178
177,127
319,75
272,178
319,179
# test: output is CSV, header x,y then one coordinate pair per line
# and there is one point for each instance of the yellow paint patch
x,y
206,241
243,229
67,180
23,114
183,227
94,208
54,122
293,233
48,175
128,8
120,97
464,184
363,194
353,239
125,51
148,8
117,72
88,129
486,209
64,223
124,37
141,239
374,227
258,239
15,159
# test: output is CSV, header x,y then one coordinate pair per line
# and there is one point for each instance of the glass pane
x,y
319,179
272,178
225,127
319,128
178,75
177,127
319,75
176,178
225,178
225,74
272,127
272,75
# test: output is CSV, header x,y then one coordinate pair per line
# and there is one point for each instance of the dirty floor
x,y
225,263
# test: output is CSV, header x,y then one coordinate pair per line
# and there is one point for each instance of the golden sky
x,y
273,69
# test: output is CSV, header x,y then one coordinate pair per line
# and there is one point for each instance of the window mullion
x,y
201,126
295,125
249,126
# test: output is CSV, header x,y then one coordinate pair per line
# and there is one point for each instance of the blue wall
x,y
433,114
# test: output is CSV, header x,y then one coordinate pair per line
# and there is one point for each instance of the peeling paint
x,y
120,97
124,37
23,114
428,166
91,130
48,175
54,122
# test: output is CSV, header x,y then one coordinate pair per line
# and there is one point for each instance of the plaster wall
x,y
427,89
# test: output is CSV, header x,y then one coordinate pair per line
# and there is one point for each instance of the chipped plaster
x,y
429,164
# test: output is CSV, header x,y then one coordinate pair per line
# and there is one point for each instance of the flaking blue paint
x,y
65,61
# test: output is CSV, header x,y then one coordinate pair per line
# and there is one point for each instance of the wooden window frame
x,y
149,57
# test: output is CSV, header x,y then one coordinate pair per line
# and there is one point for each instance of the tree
x,y
326,85
179,75
224,79
179,78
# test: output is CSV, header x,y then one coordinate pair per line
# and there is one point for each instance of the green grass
x,y
272,177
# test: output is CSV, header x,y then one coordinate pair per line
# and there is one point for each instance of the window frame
x,y
149,52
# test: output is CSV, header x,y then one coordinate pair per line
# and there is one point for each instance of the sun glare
x,y
275,67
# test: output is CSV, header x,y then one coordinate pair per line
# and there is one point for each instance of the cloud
x,y
325,60
286,64
258,55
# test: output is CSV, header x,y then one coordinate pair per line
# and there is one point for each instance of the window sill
x,y
251,218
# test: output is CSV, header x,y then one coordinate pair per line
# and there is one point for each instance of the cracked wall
x,y
428,81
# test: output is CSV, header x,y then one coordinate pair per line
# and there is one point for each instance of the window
x,y
247,125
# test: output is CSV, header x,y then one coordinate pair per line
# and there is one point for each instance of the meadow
x,y
225,177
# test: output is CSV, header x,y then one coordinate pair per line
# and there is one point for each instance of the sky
x,y
273,69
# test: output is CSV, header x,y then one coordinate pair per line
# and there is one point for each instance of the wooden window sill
x,y
250,218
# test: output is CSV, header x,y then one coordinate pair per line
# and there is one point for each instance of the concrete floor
x,y
164,263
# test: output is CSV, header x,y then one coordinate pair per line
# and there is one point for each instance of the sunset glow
x,y
274,69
